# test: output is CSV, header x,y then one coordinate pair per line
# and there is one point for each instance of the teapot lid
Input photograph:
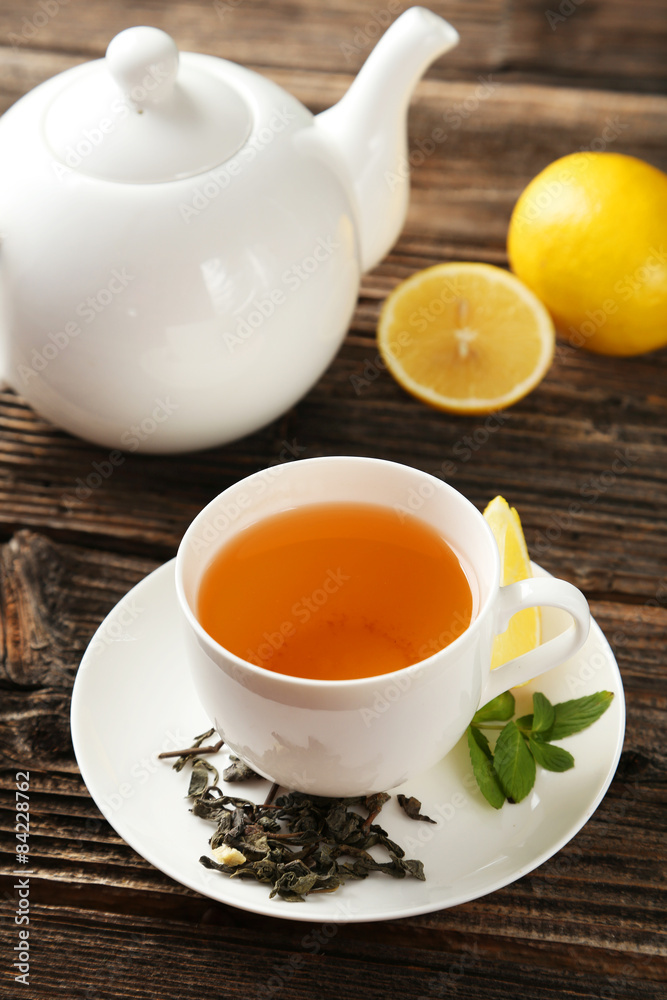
x,y
141,115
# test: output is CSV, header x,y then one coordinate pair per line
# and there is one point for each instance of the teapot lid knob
x,y
147,114
144,63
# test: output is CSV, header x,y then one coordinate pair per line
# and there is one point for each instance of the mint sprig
x,y
482,765
499,710
508,772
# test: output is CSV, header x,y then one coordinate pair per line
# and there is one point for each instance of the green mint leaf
x,y
573,716
525,723
544,713
481,741
514,763
499,709
481,759
550,757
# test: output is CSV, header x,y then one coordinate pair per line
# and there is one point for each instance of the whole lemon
x,y
589,237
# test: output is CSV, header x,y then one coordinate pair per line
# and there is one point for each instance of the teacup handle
x,y
528,594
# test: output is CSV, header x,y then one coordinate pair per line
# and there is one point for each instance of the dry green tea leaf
x,y
299,844
412,808
199,777
238,770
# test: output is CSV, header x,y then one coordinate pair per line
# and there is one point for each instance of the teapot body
x,y
176,315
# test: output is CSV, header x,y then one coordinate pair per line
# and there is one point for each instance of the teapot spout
x,y
368,126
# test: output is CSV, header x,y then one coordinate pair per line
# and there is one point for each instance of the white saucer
x,y
132,698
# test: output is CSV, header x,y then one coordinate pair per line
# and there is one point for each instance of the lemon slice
x,y
466,337
524,630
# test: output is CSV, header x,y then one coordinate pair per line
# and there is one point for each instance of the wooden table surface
x,y
529,82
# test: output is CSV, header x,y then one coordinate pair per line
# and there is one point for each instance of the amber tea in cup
x,y
336,591
339,615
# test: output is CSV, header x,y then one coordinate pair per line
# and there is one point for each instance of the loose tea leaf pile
x,y
303,844
508,771
298,845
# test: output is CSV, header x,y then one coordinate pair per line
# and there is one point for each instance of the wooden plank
x,y
473,146
579,40
462,197
334,37
593,912
596,887
260,960
597,895
498,136
611,44
558,463
52,600
256,957
594,907
591,921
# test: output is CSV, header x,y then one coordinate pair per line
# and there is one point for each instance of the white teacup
x,y
353,737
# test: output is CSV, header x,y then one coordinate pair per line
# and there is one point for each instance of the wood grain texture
x,y
584,459
582,414
609,44
594,910
247,957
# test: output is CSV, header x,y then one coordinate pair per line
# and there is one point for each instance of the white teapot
x,y
182,241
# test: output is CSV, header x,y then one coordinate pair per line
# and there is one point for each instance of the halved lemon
x,y
466,337
524,630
